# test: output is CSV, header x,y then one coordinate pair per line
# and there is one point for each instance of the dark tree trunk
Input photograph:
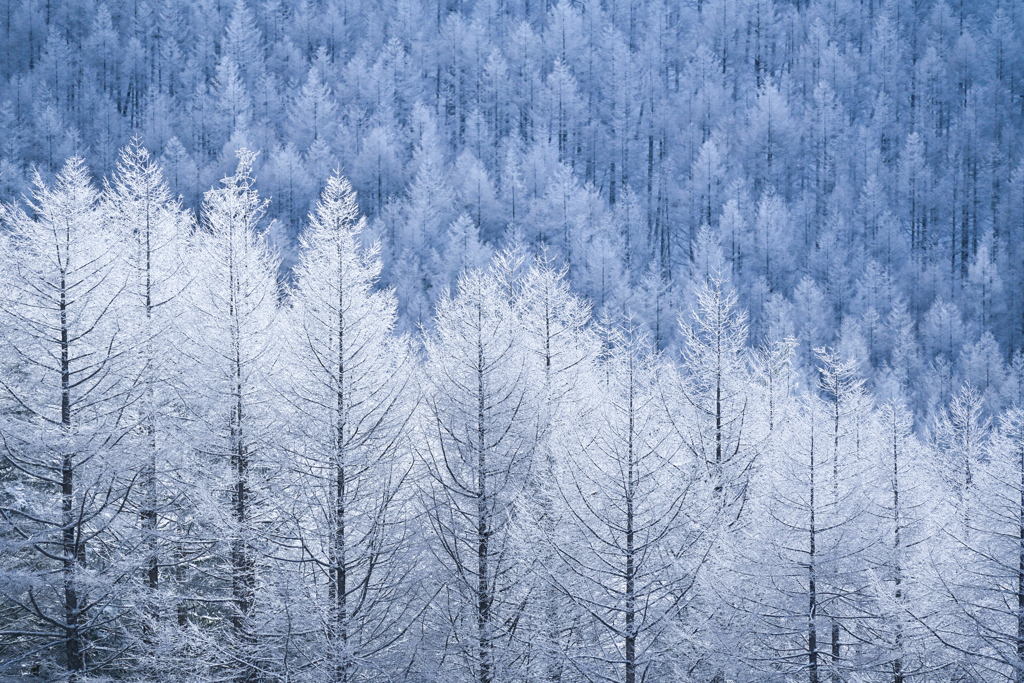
x,y
71,550
812,588
484,653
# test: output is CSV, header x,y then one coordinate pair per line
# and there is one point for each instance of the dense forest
x,y
512,340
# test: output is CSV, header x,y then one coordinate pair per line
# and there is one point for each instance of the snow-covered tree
x,y
351,391
633,530
154,232
560,352
62,423
715,420
477,446
232,345
312,112
802,544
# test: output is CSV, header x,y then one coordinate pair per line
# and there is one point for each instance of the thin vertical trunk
x,y
149,514
1019,673
71,551
338,587
149,529
837,379
952,228
718,403
611,185
243,570
812,588
965,238
835,503
486,665
718,412
914,231
73,640
149,519
897,665
624,165
650,178
630,567
835,652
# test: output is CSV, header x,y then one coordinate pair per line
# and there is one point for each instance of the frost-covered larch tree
x,y
232,346
62,421
153,233
352,393
560,351
478,441
635,519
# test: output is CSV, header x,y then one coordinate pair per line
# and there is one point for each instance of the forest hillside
x,y
512,340
854,168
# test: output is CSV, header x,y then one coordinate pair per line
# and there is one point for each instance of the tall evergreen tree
x,y
62,424
352,394
232,333
153,231
479,440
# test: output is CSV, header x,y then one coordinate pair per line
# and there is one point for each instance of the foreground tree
x,y
479,436
984,576
802,545
843,391
961,436
231,341
636,515
712,413
352,396
905,502
153,232
715,416
61,424
560,352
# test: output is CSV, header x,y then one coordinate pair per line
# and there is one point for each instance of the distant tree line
x,y
853,166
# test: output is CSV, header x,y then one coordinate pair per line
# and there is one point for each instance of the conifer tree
x,y
561,351
61,428
479,440
352,394
637,511
232,345
153,231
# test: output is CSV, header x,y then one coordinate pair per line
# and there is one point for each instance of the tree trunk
x,y
630,560
243,568
71,551
812,589
486,664
897,665
339,588
1019,673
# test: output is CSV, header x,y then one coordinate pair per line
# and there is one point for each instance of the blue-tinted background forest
x,y
853,167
